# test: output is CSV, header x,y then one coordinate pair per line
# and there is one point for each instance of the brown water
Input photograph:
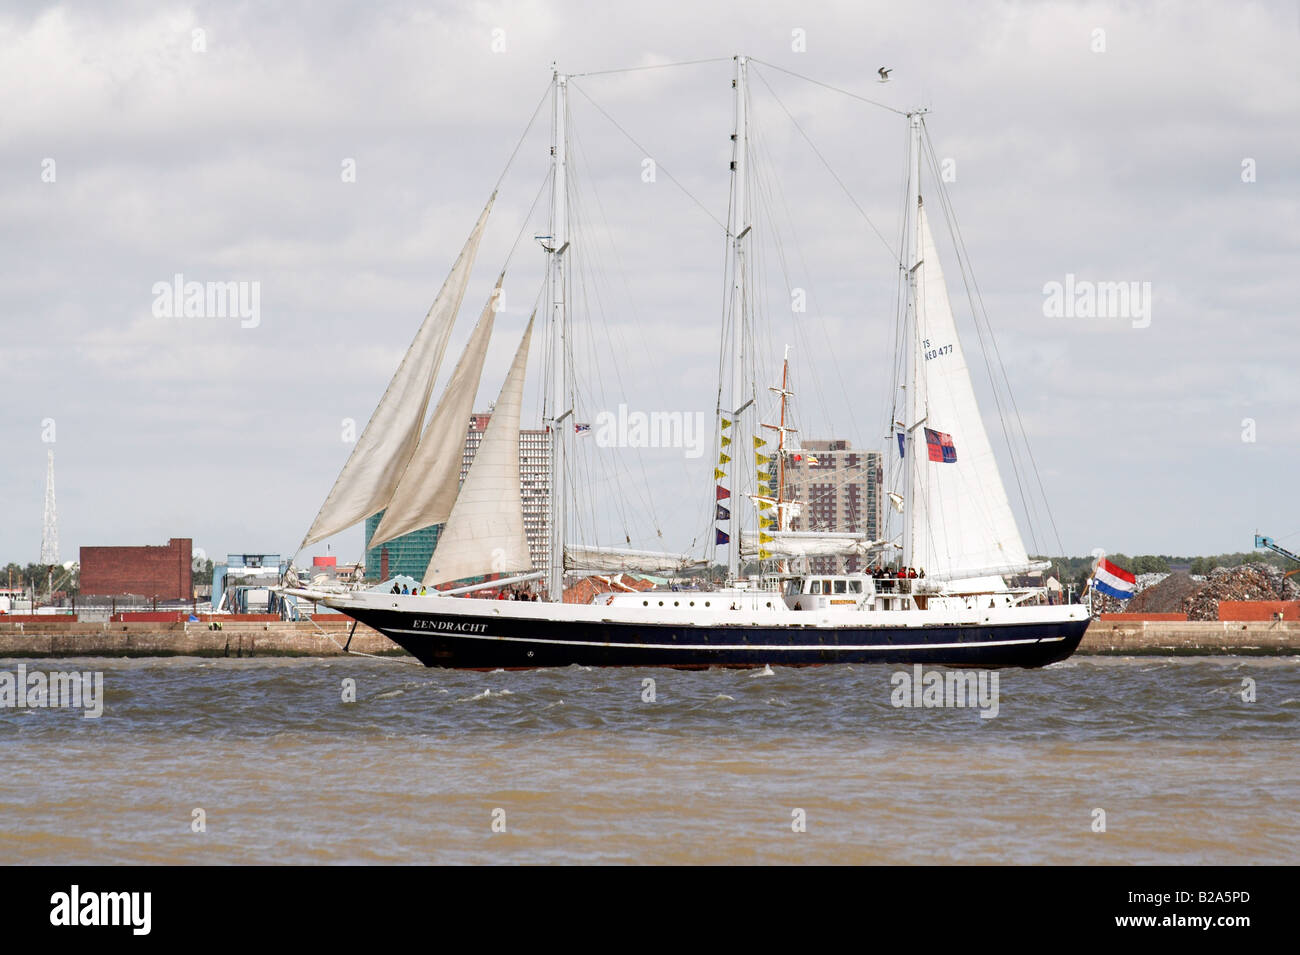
x,y
710,772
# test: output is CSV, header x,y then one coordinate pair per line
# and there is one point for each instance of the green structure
x,y
409,554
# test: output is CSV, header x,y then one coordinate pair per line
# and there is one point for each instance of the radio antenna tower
x,y
50,535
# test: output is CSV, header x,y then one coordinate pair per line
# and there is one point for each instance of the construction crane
x,y
1262,542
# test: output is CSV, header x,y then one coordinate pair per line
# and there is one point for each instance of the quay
x,y
323,637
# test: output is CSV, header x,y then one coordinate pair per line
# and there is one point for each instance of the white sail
x,y
485,532
371,473
808,544
614,559
427,487
962,521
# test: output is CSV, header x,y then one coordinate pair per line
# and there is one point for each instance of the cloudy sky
x,y
1115,142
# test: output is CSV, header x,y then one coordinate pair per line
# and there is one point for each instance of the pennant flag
x,y
723,458
722,493
722,537
796,458
761,458
726,423
764,554
718,475
902,439
582,428
763,504
758,443
723,513
766,521
1114,580
765,538
725,441
940,446
811,459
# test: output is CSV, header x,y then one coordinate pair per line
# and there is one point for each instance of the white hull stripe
x,y
734,646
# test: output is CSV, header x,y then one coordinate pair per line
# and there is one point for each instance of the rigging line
x,y
967,280
514,152
527,217
591,252
828,86
637,324
653,66
774,187
813,146
658,165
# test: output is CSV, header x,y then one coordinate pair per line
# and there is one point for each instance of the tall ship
x,y
943,583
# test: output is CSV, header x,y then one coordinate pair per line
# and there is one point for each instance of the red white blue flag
x,y
1113,580
940,446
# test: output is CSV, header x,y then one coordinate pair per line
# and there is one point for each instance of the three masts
x,y
956,520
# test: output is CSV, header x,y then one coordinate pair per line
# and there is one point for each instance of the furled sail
x,y
371,473
485,532
808,544
962,521
612,559
427,487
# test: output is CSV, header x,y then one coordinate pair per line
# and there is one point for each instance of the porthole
x,y
676,603
706,603
661,603
645,603
692,603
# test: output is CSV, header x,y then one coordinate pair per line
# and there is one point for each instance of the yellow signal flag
x,y
764,505
726,423
759,442
764,554
765,538
766,521
725,441
761,459
718,475
723,458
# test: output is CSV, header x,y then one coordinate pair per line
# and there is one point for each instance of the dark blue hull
x,y
526,644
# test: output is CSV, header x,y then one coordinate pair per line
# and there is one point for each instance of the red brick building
x,y
162,572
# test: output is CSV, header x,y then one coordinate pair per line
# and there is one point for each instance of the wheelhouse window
x,y
841,586
816,587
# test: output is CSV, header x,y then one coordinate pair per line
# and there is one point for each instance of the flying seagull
x,y
884,74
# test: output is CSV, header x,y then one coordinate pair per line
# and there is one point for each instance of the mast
x,y
558,424
739,229
913,407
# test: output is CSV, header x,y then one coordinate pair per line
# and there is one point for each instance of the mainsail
x,y
962,521
620,559
372,471
427,486
808,544
485,532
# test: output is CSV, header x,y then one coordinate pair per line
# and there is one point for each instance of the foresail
x,y
427,486
962,519
485,532
612,559
371,473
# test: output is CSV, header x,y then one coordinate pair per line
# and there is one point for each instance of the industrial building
x,y
840,492
162,573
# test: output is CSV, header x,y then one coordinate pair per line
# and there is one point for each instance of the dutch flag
x,y
1113,580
